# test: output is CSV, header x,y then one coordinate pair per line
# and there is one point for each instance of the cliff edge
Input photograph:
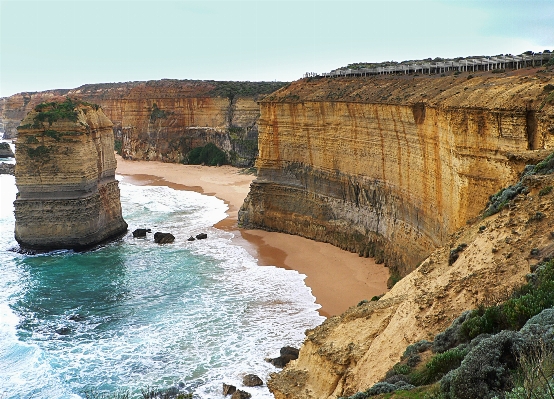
x,y
390,166
65,173
163,120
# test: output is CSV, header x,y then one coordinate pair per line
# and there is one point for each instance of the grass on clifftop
x,y
232,90
56,111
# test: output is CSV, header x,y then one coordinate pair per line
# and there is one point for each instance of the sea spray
x,y
134,313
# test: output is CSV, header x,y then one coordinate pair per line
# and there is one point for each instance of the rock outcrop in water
x,y
6,151
391,166
163,120
65,173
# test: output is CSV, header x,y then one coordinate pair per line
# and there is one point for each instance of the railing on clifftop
x,y
462,65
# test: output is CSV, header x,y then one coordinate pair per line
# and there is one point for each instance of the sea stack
x,y
65,174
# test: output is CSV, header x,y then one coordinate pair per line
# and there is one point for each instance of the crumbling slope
x,y
349,353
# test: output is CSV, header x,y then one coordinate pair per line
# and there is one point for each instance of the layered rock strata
x,y
163,120
65,174
390,166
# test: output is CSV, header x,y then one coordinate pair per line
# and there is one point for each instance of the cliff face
x,y
65,173
351,352
163,120
390,166
13,109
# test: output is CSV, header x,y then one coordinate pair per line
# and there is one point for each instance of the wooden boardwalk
x,y
461,65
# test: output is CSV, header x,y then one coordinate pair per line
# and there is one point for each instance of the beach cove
x,y
338,279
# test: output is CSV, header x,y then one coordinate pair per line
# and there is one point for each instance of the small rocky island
x,y
68,197
6,151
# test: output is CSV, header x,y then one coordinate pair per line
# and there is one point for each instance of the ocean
x,y
134,314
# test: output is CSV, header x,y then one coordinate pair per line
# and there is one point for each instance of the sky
x,y
64,44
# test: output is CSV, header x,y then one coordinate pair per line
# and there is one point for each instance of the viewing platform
x,y
472,64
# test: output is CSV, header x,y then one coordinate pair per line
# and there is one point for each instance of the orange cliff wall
x,y
163,120
390,166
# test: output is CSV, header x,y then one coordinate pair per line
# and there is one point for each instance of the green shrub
x,y
53,134
439,365
231,90
528,301
546,166
403,369
55,111
40,153
486,369
518,310
418,347
450,337
156,113
118,146
482,321
545,190
207,155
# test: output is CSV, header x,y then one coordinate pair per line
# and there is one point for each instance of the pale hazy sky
x,y
64,44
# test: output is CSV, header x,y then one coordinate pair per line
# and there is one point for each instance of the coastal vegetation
x,y
157,113
503,350
207,155
232,90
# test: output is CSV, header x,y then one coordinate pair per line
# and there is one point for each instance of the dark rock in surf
x,y
163,238
288,353
241,395
201,236
139,233
7,169
252,380
228,389
6,151
63,331
191,238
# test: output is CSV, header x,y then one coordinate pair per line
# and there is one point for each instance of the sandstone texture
x,y
351,352
163,120
65,174
390,166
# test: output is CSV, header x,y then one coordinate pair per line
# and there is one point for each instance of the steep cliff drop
x,y
389,166
395,167
163,120
65,173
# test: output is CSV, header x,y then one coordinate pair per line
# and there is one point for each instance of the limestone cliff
x,y
163,120
389,166
65,174
350,352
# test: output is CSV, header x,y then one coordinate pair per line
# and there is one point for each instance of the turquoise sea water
x,y
134,314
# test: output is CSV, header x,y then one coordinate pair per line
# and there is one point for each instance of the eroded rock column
x,y
65,174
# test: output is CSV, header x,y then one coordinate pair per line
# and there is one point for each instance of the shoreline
x,y
338,279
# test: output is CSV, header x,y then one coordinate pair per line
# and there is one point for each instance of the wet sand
x,y
338,279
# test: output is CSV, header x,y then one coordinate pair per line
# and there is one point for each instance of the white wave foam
x,y
200,312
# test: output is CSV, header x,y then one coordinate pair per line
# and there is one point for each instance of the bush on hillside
x,y
207,155
485,371
439,365
450,337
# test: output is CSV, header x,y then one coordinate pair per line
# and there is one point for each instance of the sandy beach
x,y
338,279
